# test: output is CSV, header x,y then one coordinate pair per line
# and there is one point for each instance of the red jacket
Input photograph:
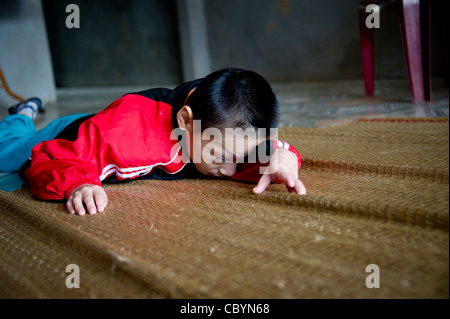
x,y
128,139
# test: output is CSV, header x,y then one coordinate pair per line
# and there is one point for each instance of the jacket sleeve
x,y
49,183
59,166
54,178
250,172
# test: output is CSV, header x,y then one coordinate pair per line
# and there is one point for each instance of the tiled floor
x,y
332,103
301,104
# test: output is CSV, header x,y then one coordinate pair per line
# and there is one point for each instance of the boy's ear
x,y
185,118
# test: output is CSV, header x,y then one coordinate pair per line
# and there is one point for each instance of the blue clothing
x,y
18,136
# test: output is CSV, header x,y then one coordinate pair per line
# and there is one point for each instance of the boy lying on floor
x,y
221,119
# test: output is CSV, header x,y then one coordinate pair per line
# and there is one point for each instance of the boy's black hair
x,y
235,98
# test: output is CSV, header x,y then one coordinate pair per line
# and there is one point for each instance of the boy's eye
x,y
220,159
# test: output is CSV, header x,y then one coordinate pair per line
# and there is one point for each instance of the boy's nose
x,y
228,170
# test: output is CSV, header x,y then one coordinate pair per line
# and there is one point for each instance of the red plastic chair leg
x,y
417,60
367,52
425,13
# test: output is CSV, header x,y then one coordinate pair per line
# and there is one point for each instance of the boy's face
x,y
219,155
215,152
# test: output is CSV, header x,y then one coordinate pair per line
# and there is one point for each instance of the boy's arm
x,y
250,172
56,179
59,166
119,136
285,161
282,168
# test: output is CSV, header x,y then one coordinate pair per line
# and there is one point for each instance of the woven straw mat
x,y
378,193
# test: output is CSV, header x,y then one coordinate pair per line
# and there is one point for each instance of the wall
x,y
119,42
292,40
136,42
24,54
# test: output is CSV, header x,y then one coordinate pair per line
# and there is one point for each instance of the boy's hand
x,y
283,165
93,196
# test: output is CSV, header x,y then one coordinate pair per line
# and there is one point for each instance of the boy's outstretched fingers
x,y
101,199
293,184
263,183
298,188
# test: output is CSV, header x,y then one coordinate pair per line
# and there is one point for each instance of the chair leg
x,y
367,53
410,22
441,8
4,85
425,16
